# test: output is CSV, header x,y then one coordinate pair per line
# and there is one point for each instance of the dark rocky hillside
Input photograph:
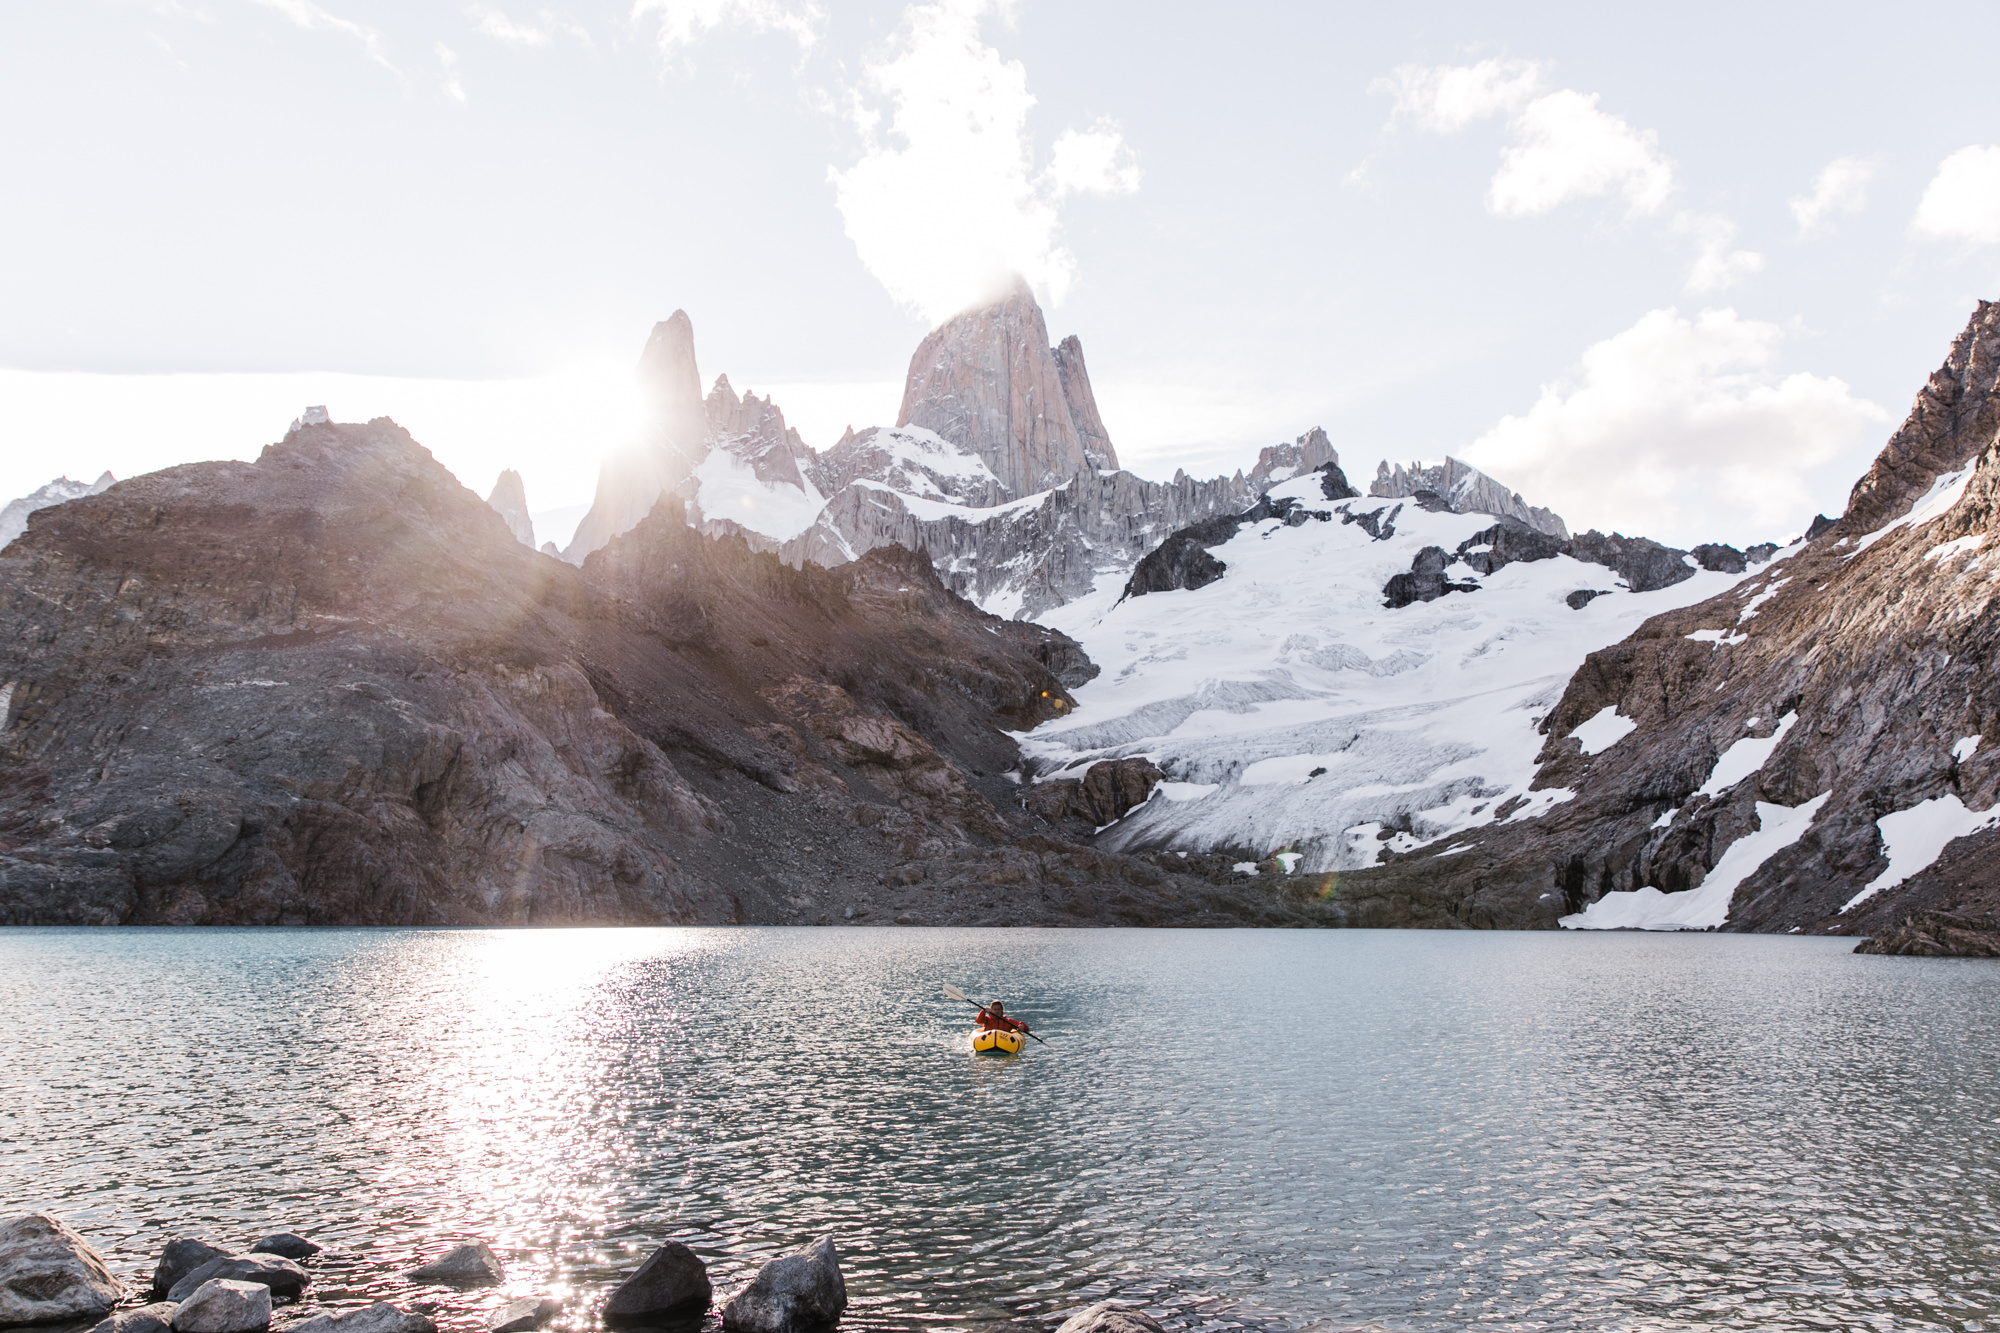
x,y
331,687
1876,649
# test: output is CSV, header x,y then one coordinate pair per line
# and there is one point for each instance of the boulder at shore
x,y
470,1265
155,1318
671,1284
281,1275
288,1245
48,1273
525,1315
222,1305
795,1294
182,1256
1111,1317
380,1317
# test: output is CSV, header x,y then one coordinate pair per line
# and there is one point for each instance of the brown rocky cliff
x,y
1082,403
987,380
633,478
1886,653
331,687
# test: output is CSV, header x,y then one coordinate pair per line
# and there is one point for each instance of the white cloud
x,y
492,23
945,203
681,23
1840,187
1716,266
314,19
448,62
1444,99
1092,161
1564,147
1682,430
1567,149
1962,202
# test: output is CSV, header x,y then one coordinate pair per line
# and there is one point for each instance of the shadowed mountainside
x,y
331,687
1865,666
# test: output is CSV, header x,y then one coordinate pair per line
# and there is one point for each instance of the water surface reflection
x,y
1423,1131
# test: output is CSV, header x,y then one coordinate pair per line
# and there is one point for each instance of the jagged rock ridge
x,y
1806,752
987,380
1464,489
14,518
510,500
331,686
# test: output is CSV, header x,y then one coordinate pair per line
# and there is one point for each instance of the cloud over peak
x,y
1564,147
1682,429
678,24
1962,202
945,201
1840,187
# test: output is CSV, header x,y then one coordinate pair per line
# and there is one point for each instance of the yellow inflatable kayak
x,y
986,1041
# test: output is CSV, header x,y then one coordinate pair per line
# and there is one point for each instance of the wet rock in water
x,y
287,1245
182,1256
224,1305
49,1273
530,1312
470,1265
799,1292
672,1284
155,1318
380,1317
1111,1317
1935,934
281,1275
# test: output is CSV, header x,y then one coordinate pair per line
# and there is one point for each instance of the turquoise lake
x,y
1267,1130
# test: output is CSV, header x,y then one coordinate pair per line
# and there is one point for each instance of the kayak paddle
x,y
954,993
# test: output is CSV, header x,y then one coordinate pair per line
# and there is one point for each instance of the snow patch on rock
x,y
1916,837
1705,906
1604,729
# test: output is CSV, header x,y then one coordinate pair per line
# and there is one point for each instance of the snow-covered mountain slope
x,y
14,518
1292,710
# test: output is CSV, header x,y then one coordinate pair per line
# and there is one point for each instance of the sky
x,y
1677,271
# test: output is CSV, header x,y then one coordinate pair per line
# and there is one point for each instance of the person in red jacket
x,y
994,1018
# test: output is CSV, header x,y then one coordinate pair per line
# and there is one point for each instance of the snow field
x,y
1291,709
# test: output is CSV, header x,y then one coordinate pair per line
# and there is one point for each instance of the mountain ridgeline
x,y
965,668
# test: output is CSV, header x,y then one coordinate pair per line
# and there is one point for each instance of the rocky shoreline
x,y
53,1281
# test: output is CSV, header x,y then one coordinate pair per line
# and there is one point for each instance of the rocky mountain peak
x,y
1955,416
987,380
510,501
673,444
1464,489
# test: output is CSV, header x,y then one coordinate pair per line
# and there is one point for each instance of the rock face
x,y
987,380
1102,796
331,687
671,1284
799,1293
633,479
14,518
182,1255
1464,489
381,1317
49,1273
510,501
1820,728
525,1315
469,1265
155,1318
287,1245
1111,1317
224,1306
280,1274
